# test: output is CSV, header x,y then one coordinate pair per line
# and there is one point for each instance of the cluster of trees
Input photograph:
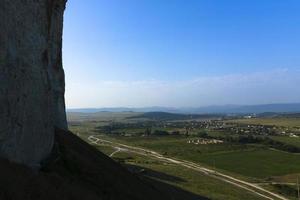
x,y
118,125
287,190
252,139
145,129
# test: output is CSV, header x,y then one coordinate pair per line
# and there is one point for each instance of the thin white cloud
x,y
261,87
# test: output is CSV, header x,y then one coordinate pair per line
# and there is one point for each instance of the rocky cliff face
x,y
31,78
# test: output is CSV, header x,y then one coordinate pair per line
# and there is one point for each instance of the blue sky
x,y
181,52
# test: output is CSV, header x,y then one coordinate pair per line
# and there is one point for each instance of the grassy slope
x,y
78,171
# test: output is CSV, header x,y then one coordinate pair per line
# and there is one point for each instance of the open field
x,y
288,140
257,163
245,160
131,155
182,177
101,116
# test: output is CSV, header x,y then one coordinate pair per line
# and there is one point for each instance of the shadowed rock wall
x,y
31,78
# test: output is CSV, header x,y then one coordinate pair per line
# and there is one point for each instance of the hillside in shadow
x,y
77,170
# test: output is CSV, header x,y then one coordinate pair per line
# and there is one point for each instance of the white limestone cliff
x,y
31,78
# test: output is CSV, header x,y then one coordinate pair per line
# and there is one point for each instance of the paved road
x,y
254,188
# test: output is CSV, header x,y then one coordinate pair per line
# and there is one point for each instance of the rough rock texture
x,y
31,78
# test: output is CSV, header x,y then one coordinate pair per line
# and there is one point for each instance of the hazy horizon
x,y
181,54
184,107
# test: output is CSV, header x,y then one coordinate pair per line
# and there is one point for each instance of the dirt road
x,y
253,188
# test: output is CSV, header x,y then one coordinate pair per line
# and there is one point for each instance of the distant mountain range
x,y
224,109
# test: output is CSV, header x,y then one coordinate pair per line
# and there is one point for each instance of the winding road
x,y
253,188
